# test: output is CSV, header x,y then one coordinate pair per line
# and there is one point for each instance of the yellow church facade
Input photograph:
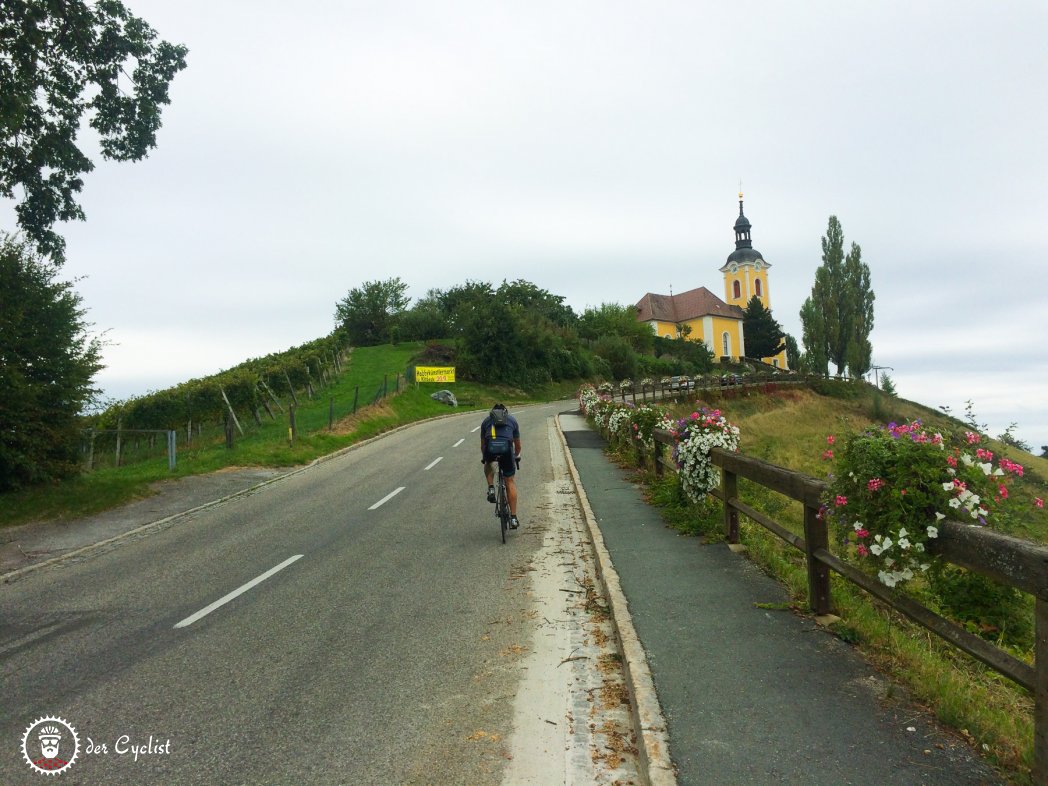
x,y
699,315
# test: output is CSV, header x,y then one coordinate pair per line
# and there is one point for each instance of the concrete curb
x,y
19,573
648,719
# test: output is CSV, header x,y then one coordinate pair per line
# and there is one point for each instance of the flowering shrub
x,y
587,396
626,384
644,420
647,382
606,387
695,436
620,421
892,486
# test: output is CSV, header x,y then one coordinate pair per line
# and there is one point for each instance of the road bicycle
x,y
502,500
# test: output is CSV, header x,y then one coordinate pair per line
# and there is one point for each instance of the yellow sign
x,y
434,373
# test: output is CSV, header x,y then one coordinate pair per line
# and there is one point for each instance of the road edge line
x,y
648,720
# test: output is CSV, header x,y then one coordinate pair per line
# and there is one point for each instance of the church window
x,y
757,288
726,342
736,289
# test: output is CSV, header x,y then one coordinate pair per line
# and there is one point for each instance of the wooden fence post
x,y
730,489
331,414
660,448
816,537
119,435
1040,693
91,452
356,397
230,408
291,387
229,432
292,430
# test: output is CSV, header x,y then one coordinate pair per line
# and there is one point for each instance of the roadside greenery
x,y
47,361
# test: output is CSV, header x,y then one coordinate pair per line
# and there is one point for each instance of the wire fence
x,y
302,410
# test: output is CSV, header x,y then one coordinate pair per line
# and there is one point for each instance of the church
x,y
699,315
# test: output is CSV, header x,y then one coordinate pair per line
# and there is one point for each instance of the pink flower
x,y
951,460
862,533
862,550
830,439
972,437
828,454
985,455
903,492
694,415
875,484
1003,490
841,500
1011,466
1039,502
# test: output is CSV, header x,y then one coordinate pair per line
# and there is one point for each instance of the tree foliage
x,y
612,319
60,61
47,362
764,336
793,353
369,314
837,318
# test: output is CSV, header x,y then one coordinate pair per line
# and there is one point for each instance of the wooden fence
x,y
1010,561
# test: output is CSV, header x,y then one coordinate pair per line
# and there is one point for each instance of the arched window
x,y
736,289
757,288
726,341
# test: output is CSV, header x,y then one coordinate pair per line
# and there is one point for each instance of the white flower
x,y
933,532
886,544
947,486
888,579
902,532
938,517
876,549
919,547
857,525
998,472
906,575
955,503
987,468
904,543
968,460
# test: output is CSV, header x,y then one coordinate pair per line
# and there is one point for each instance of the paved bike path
x,y
752,694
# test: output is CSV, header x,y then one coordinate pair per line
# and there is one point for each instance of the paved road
x,y
390,635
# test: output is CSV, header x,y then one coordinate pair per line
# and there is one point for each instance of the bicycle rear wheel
x,y
502,507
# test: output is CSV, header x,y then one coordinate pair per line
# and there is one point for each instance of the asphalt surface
x,y
752,694
391,635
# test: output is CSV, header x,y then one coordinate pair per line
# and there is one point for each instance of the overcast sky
x,y
595,149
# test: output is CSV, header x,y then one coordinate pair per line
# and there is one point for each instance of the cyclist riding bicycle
x,y
500,441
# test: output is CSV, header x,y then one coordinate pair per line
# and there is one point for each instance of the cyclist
x,y
500,441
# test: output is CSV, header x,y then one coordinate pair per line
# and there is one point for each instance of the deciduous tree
x,y
59,61
369,312
838,316
47,362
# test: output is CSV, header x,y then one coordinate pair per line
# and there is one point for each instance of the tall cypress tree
x,y
838,316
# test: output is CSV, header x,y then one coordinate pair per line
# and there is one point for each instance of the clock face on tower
x,y
734,268
758,264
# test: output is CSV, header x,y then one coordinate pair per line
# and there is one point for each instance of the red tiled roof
x,y
693,304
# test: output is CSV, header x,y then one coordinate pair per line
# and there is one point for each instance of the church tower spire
x,y
745,272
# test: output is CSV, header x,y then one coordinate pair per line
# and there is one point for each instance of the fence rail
x,y
1008,560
